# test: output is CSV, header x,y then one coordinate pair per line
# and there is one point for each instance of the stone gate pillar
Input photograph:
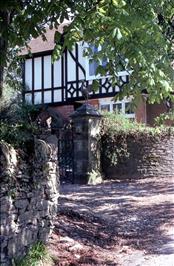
x,y
86,122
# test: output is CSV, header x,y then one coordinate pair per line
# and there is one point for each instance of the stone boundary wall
x,y
147,156
28,196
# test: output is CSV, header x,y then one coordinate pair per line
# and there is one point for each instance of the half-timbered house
x,y
61,84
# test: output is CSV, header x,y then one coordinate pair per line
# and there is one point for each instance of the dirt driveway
x,y
116,223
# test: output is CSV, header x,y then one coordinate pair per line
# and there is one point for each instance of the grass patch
x,y
37,255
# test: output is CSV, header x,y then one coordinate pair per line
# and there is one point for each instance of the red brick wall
x,y
64,110
94,102
140,113
67,110
154,110
146,113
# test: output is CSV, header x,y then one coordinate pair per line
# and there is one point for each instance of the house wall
x,y
154,110
140,112
40,77
61,81
67,110
94,102
64,110
48,82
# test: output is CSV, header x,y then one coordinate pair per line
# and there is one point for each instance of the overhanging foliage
x,y
137,30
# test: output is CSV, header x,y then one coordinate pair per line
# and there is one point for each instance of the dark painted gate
x,y
66,154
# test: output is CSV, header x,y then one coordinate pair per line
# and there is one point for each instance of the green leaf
x,y
57,37
165,85
136,30
118,34
100,70
95,85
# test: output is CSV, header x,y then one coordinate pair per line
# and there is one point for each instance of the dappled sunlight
x,y
139,213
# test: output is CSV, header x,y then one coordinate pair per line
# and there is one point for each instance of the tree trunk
x,y
3,51
1,80
4,24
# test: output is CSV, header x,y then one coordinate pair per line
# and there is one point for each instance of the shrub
x,y
165,117
116,129
17,124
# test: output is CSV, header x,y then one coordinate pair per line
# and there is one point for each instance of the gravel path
x,y
116,223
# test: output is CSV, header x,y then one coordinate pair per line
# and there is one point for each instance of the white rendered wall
x,y
47,97
37,98
71,67
37,73
28,98
57,96
82,61
28,74
57,73
47,72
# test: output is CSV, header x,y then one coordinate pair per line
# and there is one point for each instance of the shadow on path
x,y
114,218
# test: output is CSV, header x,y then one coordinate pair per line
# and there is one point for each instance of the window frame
x,y
98,76
87,64
108,101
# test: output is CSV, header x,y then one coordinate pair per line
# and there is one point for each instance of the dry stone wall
x,y
28,196
146,156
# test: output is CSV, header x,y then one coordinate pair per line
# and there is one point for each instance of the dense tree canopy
x,y
134,34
